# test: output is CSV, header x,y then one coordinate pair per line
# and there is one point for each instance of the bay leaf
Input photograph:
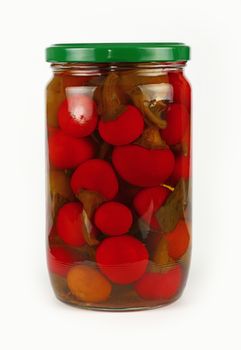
x,y
161,260
161,256
57,201
152,110
55,96
60,190
151,139
173,210
110,100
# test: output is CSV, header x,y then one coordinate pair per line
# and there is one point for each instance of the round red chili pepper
x,y
178,240
143,167
181,89
69,224
122,259
113,218
60,259
126,128
148,201
181,169
156,285
77,115
95,175
66,152
177,119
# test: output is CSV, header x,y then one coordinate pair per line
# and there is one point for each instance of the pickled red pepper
x,y
119,159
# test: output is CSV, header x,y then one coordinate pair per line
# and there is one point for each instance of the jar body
x,y
119,194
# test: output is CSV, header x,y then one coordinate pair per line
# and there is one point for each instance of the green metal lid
x,y
118,52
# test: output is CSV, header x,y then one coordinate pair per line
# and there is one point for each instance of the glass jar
x,y
119,211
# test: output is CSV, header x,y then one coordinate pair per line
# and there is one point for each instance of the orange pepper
x,y
88,284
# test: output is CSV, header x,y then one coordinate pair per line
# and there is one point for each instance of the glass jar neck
x,y
104,68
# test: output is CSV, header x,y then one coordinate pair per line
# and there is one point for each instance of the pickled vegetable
x,y
77,115
70,224
113,218
177,119
55,95
126,128
148,201
87,284
178,240
122,259
143,167
66,152
61,259
160,286
161,258
119,160
181,89
181,169
95,175
60,190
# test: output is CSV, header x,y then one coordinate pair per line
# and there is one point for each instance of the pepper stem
x,y
151,139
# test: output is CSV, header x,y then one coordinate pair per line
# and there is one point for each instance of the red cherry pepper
x,y
95,175
181,169
143,167
125,129
69,224
60,259
66,152
178,240
177,122
113,218
148,201
156,286
77,115
181,89
122,259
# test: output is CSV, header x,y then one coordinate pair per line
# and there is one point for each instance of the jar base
x,y
123,298
91,307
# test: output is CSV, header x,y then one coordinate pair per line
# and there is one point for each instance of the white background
x,y
208,314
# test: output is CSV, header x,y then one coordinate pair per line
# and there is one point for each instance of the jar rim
x,y
118,52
